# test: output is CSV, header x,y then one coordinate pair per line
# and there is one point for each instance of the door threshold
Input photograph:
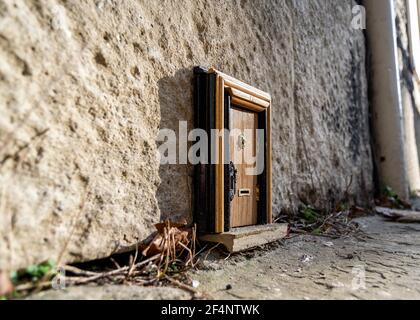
x,y
244,238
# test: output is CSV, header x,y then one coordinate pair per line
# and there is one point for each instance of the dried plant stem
x,y
32,286
171,242
122,270
183,286
130,271
78,271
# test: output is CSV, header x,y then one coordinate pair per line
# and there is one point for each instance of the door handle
x,y
232,181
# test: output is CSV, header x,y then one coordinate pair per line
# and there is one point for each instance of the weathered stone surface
x,y
85,85
113,292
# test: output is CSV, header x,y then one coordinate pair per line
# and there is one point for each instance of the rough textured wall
x,y
410,93
85,85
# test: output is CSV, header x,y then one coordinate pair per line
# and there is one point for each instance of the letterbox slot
x,y
244,192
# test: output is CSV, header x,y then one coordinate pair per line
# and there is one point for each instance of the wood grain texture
x,y
237,84
247,104
219,208
244,209
238,94
252,101
245,238
269,169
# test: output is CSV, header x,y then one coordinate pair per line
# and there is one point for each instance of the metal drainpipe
x,y
386,104
410,101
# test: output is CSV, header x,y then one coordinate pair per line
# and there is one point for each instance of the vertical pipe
x,y
386,106
410,99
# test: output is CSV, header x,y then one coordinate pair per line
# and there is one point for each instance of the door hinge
x,y
257,193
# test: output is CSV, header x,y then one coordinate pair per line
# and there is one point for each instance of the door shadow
x,y
174,195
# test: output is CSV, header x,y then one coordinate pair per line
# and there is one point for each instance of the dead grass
x,y
161,260
334,225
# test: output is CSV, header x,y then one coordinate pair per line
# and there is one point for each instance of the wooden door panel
x,y
244,211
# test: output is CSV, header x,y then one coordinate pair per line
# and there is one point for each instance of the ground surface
x,y
381,262
113,292
308,267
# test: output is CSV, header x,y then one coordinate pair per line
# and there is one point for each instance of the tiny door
x,y
220,201
242,150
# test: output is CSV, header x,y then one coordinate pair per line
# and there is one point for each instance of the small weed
x,y
173,268
319,222
390,193
14,277
37,271
391,199
343,206
309,214
33,273
317,231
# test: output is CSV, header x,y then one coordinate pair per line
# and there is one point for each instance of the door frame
x,y
214,94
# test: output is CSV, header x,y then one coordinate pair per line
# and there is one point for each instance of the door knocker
x,y
241,141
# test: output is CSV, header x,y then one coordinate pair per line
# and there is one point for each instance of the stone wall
x,y
85,86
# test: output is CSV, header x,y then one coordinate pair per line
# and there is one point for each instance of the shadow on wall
x,y
174,194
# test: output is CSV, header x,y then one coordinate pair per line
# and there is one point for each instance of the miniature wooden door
x,y
244,205
227,192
